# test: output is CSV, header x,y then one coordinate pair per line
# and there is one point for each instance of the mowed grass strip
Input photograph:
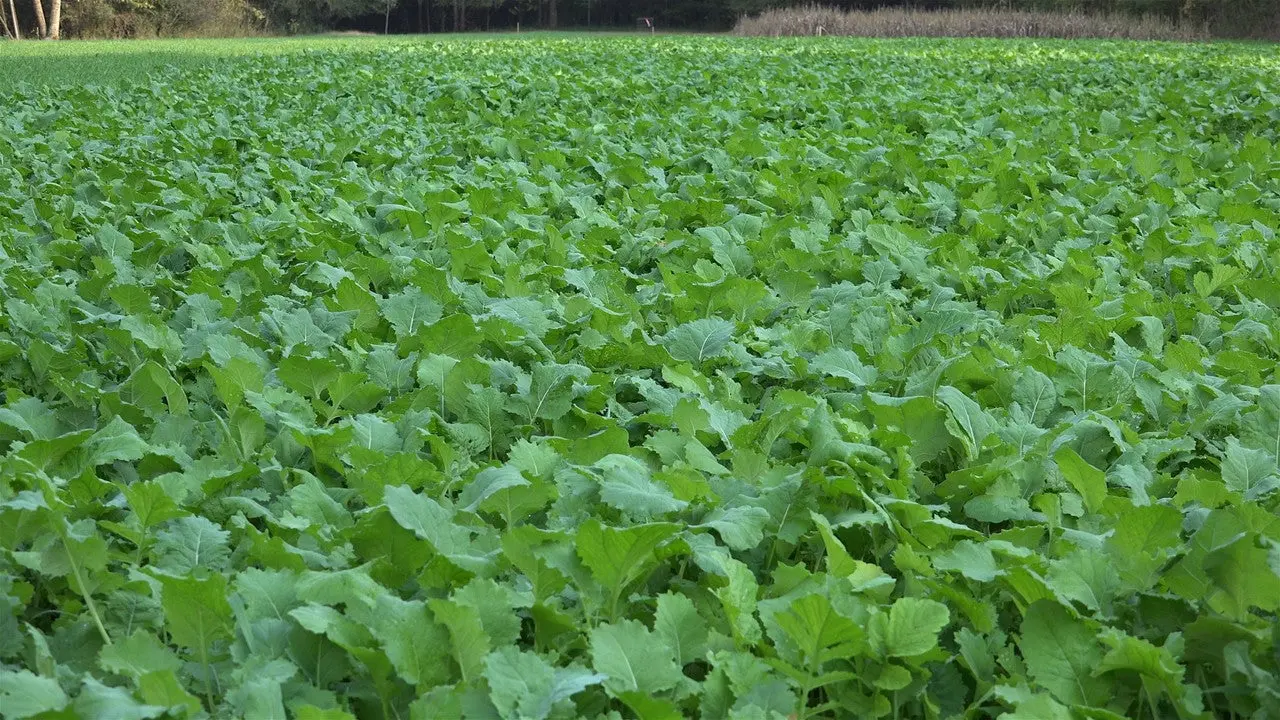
x,y
83,62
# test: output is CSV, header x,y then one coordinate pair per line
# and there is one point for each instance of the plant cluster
x,y
654,378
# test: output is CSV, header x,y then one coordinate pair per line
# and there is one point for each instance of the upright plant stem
x,y
84,591
208,677
88,598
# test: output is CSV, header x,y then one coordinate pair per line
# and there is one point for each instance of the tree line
x,y
148,18
43,24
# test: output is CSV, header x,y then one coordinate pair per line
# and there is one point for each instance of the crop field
x,y
644,378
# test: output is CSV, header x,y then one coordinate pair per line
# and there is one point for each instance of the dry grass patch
x,y
975,22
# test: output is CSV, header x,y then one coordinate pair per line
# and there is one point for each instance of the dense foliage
x,y
667,378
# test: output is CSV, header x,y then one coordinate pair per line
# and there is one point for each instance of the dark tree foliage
x,y
1226,17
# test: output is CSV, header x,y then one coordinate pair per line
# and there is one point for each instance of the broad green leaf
x,y
1088,481
818,633
416,645
974,561
678,625
1087,576
496,605
432,522
489,482
31,416
1035,394
632,659
911,626
164,690
112,703
433,372
1061,655
1245,577
524,685
261,698
191,542
137,655
24,694
117,440
648,707
919,418
839,562
1038,707
469,643
700,340
1248,471
196,612
739,599
844,363
410,310
825,441
626,485
617,557
741,528
1261,427
307,375
973,423
1143,540
1109,123
1155,663
373,433
548,392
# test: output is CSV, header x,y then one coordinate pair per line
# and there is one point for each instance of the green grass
x,y
79,62
111,61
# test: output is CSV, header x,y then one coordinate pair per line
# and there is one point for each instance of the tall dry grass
x,y
974,22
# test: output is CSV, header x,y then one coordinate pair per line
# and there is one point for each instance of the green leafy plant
x,y
653,378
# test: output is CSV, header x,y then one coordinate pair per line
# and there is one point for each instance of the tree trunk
x,y
386,20
55,20
42,28
554,20
4,20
